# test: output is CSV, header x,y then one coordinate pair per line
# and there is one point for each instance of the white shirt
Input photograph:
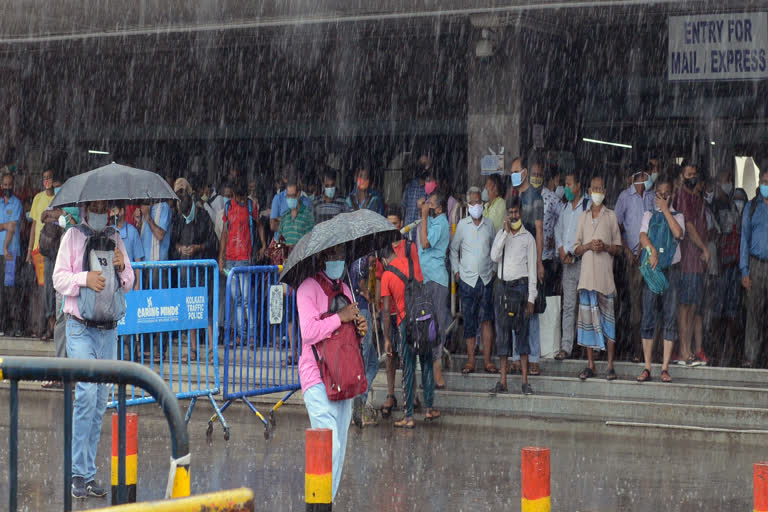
x,y
568,223
519,251
474,242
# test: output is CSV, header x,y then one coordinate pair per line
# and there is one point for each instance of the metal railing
x,y
121,373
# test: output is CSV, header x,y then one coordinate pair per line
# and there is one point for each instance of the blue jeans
x,y
90,398
333,415
370,357
241,299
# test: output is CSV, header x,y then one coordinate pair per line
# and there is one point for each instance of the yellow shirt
x,y
496,212
39,204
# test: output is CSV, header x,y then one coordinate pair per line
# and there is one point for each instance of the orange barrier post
x,y
760,486
131,455
535,469
318,474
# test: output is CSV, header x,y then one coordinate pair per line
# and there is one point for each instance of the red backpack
x,y
340,356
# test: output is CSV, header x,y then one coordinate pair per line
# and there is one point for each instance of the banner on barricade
x,y
169,309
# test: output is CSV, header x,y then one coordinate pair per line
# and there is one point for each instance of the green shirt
x,y
293,229
495,212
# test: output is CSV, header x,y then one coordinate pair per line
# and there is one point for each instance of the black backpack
x,y
420,320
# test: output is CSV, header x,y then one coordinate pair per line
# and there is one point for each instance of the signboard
x,y
538,136
275,304
718,47
492,164
172,309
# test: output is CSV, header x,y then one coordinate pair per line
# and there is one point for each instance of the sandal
x,y
491,368
586,373
406,422
534,369
645,376
468,368
432,415
665,376
611,375
562,355
514,368
386,410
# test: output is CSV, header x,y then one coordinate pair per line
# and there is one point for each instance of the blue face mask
x,y
517,179
334,269
291,202
330,192
764,191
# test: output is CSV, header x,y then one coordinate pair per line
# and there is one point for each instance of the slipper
x,y
405,423
534,369
491,368
561,355
587,373
468,368
645,376
432,415
665,376
611,375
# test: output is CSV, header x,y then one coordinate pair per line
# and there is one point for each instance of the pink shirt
x,y
312,303
68,275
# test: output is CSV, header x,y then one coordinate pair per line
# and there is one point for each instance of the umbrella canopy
x,y
113,182
362,231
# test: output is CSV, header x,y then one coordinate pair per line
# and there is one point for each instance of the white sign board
x,y
492,164
718,47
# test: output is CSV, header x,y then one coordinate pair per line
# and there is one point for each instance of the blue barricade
x,y
172,326
260,326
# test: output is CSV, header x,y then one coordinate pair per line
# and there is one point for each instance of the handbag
x,y
512,298
277,251
540,305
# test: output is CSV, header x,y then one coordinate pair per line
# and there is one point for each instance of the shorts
x,y
511,341
661,307
476,305
691,289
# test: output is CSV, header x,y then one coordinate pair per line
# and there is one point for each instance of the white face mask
x,y
98,221
727,188
560,191
484,195
708,197
597,198
739,205
476,210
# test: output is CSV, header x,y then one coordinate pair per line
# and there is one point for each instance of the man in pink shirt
x,y
312,304
91,333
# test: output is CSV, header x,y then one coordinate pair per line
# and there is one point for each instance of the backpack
x,y
420,325
108,305
662,239
50,239
340,356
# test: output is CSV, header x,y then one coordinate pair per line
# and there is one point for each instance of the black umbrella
x,y
113,182
362,232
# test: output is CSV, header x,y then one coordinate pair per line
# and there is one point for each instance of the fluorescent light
x,y
712,142
618,145
97,152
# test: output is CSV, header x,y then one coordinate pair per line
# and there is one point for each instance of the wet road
x,y
453,466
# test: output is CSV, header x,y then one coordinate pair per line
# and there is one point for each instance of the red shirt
x,y
692,208
239,244
393,286
400,253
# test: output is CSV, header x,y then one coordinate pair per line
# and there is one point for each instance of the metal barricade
x,y
121,373
172,327
260,322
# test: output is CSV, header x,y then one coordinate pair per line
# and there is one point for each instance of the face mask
x,y
727,188
536,181
291,202
204,198
47,184
334,269
330,192
654,176
569,195
98,221
476,210
709,196
764,191
311,197
185,204
560,191
430,187
691,182
597,198
739,205
8,192
516,224
484,195
517,179
362,184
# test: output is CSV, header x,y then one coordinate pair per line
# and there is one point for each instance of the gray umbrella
x,y
362,231
113,182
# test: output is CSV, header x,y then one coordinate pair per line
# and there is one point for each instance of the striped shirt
x,y
326,210
293,229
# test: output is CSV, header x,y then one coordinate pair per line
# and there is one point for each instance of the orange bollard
x,y
760,486
535,469
318,474
131,455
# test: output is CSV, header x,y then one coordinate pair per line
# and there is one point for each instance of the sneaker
x,y
357,412
681,362
527,389
370,416
18,334
95,490
701,359
79,491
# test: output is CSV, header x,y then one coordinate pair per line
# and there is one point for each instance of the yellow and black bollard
x,y
131,455
318,474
